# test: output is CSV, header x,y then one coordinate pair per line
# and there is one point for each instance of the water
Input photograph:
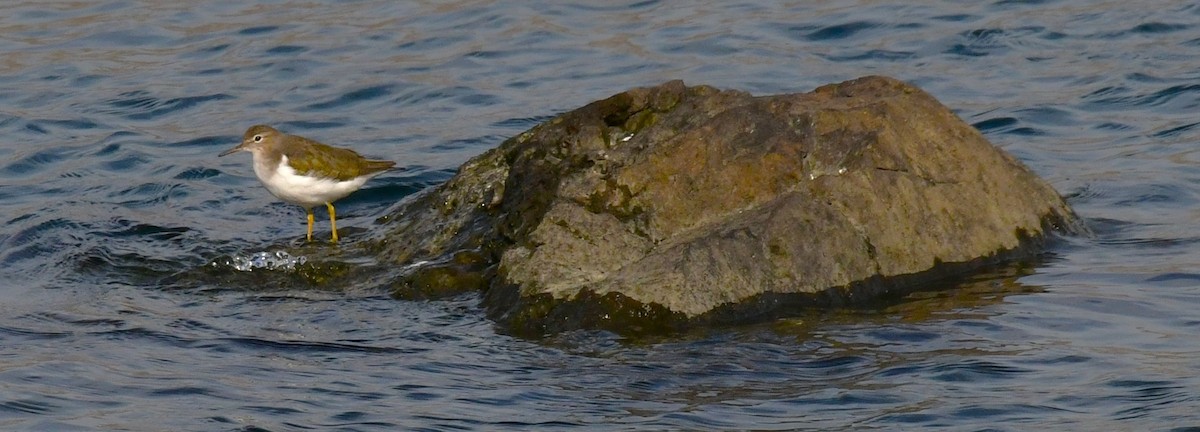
x,y
111,116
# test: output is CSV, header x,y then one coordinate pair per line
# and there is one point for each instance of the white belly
x,y
308,192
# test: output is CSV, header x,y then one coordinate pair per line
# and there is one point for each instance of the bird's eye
x,y
258,138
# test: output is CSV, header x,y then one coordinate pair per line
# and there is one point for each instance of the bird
x,y
305,172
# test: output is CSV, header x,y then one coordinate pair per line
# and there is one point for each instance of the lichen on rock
x,y
669,205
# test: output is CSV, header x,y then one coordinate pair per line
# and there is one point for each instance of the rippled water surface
x,y
112,114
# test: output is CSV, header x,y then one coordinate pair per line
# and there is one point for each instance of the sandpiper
x,y
304,172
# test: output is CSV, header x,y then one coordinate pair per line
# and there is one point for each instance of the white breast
x,y
286,184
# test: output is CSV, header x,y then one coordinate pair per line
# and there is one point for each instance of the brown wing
x,y
313,158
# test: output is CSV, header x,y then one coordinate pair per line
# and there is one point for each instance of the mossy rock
x,y
666,206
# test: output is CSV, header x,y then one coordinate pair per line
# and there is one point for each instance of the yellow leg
x,y
310,222
332,221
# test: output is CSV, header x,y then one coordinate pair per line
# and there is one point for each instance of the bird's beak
x,y
232,150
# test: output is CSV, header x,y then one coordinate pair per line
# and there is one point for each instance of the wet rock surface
x,y
666,206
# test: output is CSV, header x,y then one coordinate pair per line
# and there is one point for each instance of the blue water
x,y
112,114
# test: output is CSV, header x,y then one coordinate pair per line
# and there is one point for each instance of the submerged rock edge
x,y
543,314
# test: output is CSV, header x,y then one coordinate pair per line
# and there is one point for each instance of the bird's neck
x,y
265,165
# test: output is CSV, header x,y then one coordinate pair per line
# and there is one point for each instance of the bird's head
x,y
257,138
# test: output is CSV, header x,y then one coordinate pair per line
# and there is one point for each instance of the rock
x,y
666,206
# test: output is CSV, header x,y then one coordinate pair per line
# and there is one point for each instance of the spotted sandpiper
x,y
305,172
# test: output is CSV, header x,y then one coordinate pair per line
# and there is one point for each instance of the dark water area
x,y
112,114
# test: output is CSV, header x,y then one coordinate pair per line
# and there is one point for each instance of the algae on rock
x,y
671,204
